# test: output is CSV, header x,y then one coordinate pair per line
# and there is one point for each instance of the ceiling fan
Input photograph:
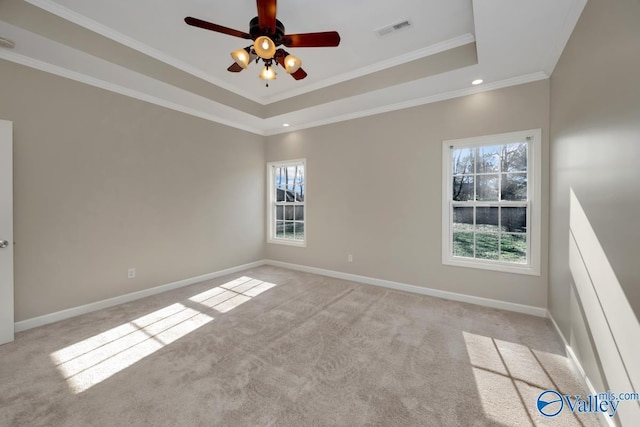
x,y
268,33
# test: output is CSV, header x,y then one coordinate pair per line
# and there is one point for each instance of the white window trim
x,y
271,210
534,185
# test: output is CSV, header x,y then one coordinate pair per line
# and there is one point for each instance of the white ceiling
x,y
516,40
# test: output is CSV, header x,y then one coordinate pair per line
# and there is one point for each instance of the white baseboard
x,y
503,305
578,366
98,305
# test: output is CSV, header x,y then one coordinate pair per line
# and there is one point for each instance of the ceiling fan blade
x,y
267,15
299,75
325,39
195,22
235,68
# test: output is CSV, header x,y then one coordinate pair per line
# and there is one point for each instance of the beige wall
x,y
595,151
375,191
595,119
104,182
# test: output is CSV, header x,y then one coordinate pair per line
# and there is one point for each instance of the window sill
x,y
285,242
493,266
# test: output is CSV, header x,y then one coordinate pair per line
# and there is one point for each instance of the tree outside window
x,y
489,199
287,202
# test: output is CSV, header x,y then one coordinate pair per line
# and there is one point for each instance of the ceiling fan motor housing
x,y
255,31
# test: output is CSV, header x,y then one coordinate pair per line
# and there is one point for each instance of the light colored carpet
x,y
270,346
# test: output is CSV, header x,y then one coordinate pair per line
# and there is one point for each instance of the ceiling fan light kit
x,y
242,57
267,73
264,47
292,64
268,33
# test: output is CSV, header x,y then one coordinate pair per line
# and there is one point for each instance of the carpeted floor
x,y
270,346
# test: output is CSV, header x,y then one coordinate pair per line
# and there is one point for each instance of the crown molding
x,y
378,66
112,87
569,23
514,81
81,20
92,81
66,13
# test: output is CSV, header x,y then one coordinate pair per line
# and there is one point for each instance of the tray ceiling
x,y
145,50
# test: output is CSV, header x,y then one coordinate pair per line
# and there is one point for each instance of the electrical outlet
x,y
131,273
349,258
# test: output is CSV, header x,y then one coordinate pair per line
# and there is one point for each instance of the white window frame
x,y
271,203
534,200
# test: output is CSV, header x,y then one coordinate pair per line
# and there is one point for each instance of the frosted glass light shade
x,y
241,56
264,47
292,64
267,73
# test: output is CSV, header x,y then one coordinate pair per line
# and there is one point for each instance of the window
x,y
287,193
491,202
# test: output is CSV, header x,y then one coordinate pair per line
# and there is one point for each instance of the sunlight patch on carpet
x,y
510,376
93,360
498,393
232,294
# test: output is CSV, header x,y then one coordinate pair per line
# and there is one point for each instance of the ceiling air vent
x,y
398,26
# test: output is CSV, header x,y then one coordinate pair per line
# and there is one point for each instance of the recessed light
x,y
286,125
477,82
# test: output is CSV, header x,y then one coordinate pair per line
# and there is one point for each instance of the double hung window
x,y
491,202
287,202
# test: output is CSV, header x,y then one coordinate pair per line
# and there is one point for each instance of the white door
x,y
6,232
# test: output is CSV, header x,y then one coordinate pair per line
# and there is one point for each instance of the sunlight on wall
x,y
95,359
509,377
612,322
